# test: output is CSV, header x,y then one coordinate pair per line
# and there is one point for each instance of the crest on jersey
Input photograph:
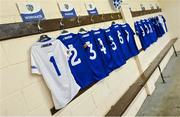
x,y
30,7
66,6
30,11
117,4
91,9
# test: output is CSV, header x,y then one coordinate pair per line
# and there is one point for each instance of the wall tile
x,y
166,59
84,108
3,108
26,75
15,105
46,94
100,93
40,111
3,57
118,78
18,50
9,6
34,96
11,79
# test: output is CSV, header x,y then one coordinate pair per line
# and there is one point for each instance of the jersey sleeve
x,y
34,66
136,28
65,50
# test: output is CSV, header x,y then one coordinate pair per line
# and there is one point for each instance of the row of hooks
x,y
77,19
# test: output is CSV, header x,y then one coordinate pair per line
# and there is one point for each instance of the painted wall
x,y
171,10
22,93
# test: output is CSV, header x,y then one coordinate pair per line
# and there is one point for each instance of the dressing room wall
x,y
25,94
171,9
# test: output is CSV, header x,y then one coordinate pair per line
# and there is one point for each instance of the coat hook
x,y
119,16
61,22
92,20
39,27
103,17
78,20
112,16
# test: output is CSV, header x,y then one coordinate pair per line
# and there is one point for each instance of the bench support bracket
x,y
174,51
161,74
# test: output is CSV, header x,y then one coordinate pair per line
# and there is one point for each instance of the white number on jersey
x,y
73,61
147,29
91,50
151,31
103,49
114,47
127,35
120,37
143,32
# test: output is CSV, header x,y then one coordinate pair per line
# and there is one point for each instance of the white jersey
x,y
50,59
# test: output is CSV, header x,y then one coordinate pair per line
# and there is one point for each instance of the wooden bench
x,y
124,102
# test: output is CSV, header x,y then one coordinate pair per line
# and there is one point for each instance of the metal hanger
x,y
79,23
43,37
82,30
62,25
113,22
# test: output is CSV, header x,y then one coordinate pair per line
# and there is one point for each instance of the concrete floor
x,y
165,101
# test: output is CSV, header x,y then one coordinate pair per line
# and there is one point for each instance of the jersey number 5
x,y
114,47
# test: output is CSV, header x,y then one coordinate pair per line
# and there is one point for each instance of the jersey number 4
x,y
103,49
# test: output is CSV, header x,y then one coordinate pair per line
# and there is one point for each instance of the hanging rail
x,y
20,29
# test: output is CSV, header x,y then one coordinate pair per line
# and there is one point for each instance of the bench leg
x,y
161,74
174,50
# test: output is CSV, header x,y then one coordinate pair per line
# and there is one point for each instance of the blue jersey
x,y
162,24
164,21
77,60
94,59
147,31
104,49
140,31
158,27
119,33
155,26
130,39
152,32
115,48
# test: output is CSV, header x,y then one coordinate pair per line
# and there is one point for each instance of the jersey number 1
x,y
53,61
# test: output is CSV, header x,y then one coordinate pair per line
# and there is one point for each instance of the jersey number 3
x,y
91,50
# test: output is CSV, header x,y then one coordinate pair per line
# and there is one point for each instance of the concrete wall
x,y
22,93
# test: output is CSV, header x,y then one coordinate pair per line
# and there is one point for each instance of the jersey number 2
x,y
73,61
